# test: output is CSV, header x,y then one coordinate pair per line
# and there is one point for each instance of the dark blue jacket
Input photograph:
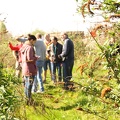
x,y
68,50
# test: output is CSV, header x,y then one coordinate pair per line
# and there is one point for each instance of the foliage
x,y
107,6
2,27
110,51
111,6
9,101
83,101
38,31
6,54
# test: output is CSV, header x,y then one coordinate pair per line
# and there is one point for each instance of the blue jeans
x,y
56,67
67,70
28,85
38,77
46,65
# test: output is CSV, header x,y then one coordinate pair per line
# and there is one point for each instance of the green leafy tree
x,y
38,31
110,52
108,6
2,27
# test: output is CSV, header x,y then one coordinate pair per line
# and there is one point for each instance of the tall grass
x,y
9,100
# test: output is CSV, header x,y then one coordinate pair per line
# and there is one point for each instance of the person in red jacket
x,y
15,50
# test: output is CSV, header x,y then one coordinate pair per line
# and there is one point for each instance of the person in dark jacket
x,y
68,58
56,62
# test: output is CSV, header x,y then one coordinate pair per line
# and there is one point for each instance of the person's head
x,y
32,39
47,37
64,35
54,40
38,36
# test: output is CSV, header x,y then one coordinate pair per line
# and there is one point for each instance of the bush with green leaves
x,y
9,100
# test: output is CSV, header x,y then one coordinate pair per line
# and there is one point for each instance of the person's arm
x,y
65,50
13,47
31,55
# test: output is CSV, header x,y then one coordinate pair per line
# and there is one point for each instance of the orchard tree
x,y
111,14
3,29
108,6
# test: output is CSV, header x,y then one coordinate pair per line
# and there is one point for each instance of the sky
x,y
23,16
26,16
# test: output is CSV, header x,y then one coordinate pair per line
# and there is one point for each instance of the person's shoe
x,y
53,82
33,92
29,101
40,91
44,81
65,88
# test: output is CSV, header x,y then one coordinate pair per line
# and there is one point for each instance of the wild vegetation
x,y
94,94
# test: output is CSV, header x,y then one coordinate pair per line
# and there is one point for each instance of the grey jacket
x,y
40,49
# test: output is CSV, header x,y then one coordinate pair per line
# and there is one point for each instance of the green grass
x,y
81,103
58,104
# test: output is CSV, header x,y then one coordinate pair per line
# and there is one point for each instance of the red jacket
x,y
17,47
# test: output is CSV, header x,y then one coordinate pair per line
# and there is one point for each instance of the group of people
x,y
34,54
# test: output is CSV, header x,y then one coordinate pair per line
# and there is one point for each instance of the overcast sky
x,y
49,15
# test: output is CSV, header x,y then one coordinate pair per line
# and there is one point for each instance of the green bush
x,y
9,100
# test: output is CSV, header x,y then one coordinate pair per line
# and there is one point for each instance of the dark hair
x,y
40,36
31,37
55,38
66,34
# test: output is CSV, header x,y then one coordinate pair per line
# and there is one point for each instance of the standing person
x,y
68,55
47,42
29,69
40,50
16,56
55,50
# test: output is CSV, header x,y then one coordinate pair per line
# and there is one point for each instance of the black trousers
x,y
67,69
